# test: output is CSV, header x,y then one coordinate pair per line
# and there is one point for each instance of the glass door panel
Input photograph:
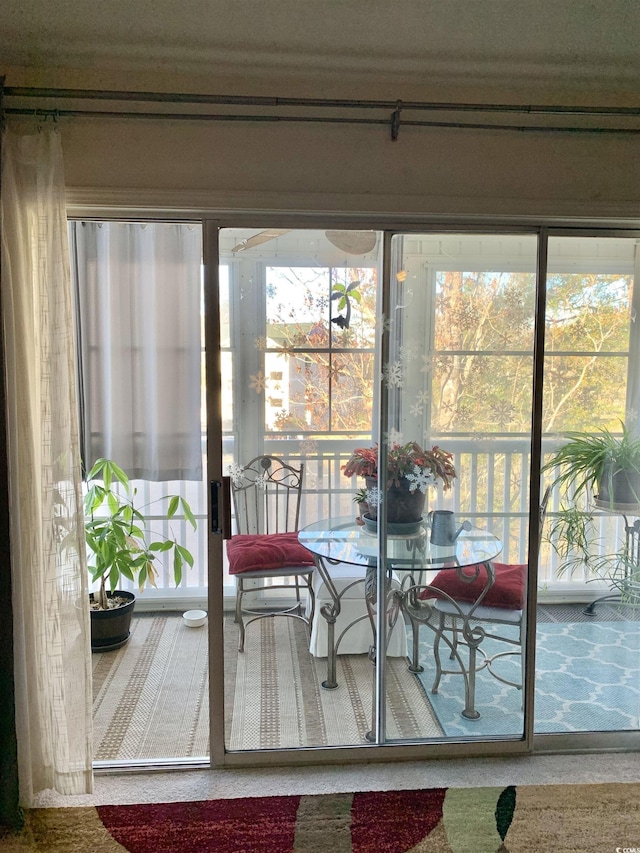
x,y
458,375
141,378
588,642
298,310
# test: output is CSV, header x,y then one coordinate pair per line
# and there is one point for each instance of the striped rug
x,y
151,699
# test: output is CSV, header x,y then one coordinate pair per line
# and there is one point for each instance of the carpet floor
x,y
522,819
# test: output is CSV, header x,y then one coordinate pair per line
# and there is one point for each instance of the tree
x,y
328,365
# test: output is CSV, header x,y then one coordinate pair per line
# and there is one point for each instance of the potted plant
x,y
360,498
593,470
410,471
599,465
120,545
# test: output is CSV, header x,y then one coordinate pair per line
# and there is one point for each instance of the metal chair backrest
x,y
266,496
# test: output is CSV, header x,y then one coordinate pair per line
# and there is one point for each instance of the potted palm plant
x,y
593,470
120,545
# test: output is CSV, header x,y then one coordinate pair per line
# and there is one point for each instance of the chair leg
x,y
239,620
295,611
312,600
436,652
454,637
414,664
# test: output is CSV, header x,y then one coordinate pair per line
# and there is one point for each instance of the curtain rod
x,y
395,125
394,121
340,103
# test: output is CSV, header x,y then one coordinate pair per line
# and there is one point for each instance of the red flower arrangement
x,y
421,467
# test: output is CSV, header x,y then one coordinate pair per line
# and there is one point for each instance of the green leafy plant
x,y
586,457
572,534
119,542
584,470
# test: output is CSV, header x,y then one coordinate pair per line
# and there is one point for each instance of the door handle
x,y
220,493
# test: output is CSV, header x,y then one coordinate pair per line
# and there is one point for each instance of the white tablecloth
x,y
359,637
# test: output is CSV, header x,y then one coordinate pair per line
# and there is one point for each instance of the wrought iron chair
x,y
506,602
266,496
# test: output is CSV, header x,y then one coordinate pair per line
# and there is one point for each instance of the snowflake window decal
x,y
235,471
258,382
408,352
393,437
420,479
308,447
392,374
374,496
504,413
427,363
384,324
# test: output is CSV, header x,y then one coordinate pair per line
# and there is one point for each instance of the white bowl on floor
x,y
195,618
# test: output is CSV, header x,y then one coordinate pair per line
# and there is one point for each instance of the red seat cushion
x,y
264,552
507,591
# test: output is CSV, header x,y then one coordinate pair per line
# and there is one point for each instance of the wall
x,y
340,168
264,167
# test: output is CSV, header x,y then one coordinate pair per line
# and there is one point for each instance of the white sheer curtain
x,y
139,291
50,582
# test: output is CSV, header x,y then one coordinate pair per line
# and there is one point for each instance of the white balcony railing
x,y
491,491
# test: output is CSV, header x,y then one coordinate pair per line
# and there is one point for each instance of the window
x,y
319,359
302,357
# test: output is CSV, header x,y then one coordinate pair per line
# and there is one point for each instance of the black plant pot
x,y
110,629
619,486
403,506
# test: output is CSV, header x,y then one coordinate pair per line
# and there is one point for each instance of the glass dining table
x,y
409,561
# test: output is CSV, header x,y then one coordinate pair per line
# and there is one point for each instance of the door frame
x,y
220,757
544,228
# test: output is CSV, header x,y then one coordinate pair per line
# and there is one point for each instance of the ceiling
x,y
584,44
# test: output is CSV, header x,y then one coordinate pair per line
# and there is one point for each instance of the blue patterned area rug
x,y
587,679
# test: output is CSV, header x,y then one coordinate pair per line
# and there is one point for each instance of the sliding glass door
x,y
399,374
458,377
299,315
433,379
332,356
139,323
588,638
